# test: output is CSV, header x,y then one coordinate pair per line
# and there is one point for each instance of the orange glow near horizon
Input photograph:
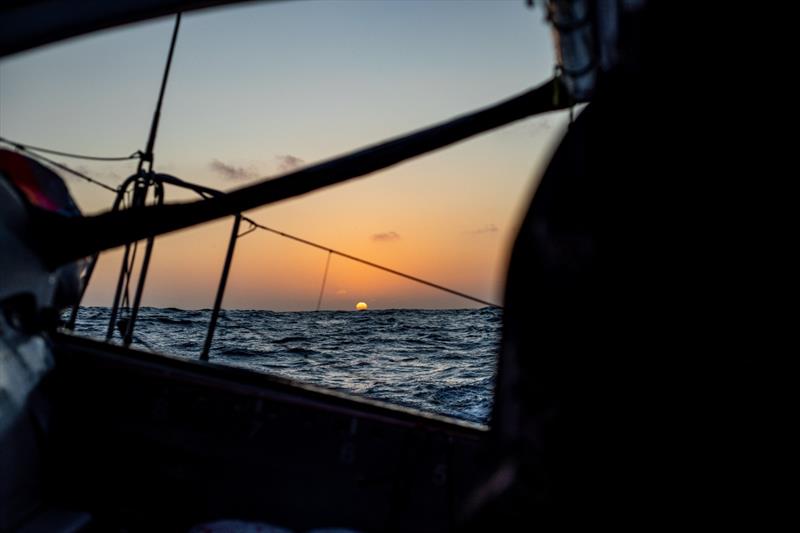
x,y
270,272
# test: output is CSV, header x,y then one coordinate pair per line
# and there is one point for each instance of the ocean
x,y
440,361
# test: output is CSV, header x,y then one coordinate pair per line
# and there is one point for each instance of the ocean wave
x,y
443,361
292,338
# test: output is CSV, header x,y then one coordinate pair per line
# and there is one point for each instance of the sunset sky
x,y
259,89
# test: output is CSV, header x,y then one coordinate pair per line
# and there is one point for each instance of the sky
x,y
259,89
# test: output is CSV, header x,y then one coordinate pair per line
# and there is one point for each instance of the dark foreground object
x,y
142,442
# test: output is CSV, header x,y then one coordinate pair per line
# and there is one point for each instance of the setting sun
x,y
361,306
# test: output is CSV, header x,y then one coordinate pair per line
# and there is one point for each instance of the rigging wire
x,y
62,166
374,265
206,192
144,180
248,230
147,156
130,262
324,279
126,295
29,147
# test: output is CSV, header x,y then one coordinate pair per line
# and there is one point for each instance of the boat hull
x,y
142,441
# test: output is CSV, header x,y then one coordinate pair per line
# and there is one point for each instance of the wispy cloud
x,y
231,171
288,162
487,228
386,236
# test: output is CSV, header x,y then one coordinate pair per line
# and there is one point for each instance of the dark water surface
x,y
441,361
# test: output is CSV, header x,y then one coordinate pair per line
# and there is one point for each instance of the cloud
x,y
232,172
288,162
341,292
487,228
386,236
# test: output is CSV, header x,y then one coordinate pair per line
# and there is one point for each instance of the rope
x,y
62,166
324,279
29,147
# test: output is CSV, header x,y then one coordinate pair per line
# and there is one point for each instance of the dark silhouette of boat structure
x,y
99,436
